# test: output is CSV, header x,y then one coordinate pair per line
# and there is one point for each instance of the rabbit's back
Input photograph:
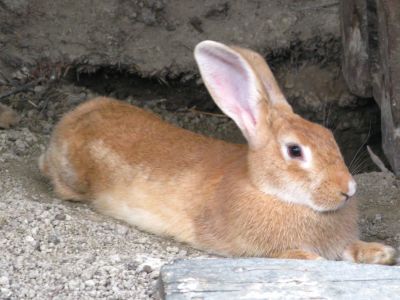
x,y
134,166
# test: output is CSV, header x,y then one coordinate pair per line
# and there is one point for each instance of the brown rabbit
x,y
286,194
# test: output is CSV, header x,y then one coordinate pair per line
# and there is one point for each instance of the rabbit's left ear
x,y
235,88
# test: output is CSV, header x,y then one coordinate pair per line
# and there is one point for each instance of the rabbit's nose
x,y
346,183
352,188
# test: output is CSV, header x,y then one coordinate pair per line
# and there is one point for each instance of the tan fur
x,y
370,253
217,196
300,254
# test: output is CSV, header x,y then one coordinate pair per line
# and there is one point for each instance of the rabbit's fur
x,y
260,199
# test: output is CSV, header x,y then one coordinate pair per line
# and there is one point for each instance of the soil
x,y
153,37
61,250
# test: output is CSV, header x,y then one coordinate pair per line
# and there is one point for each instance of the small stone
x,y
39,88
115,258
60,217
90,283
5,292
21,145
144,268
73,284
154,274
148,17
131,266
173,249
122,230
38,247
54,239
30,239
182,253
378,217
4,280
8,117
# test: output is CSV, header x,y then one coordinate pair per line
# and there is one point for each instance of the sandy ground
x,y
52,249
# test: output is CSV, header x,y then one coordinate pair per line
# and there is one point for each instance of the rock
x,y
39,88
378,217
60,217
90,283
4,281
30,239
8,117
122,230
144,268
54,239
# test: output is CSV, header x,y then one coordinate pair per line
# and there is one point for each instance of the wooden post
x,y
355,63
371,62
386,77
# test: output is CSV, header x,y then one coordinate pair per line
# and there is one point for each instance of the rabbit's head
x,y
295,160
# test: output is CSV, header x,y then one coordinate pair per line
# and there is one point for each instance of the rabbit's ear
x,y
234,86
261,68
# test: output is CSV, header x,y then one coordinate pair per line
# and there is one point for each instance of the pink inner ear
x,y
231,85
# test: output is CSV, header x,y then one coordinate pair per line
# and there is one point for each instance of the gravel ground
x,y
60,250
54,249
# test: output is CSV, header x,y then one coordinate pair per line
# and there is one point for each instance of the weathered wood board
x,y
277,279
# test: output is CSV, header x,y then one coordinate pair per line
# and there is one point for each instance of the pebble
x,y
154,274
144,268
122,230
173,249
29,239
60,217
4,280
54,239
115,258
90,283
39,88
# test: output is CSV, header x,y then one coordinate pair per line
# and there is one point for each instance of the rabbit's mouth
x,y
321,202
328,205
335,198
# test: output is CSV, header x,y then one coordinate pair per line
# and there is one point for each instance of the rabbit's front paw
x,y
370,253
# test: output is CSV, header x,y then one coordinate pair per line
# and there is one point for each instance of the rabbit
x,y
286,194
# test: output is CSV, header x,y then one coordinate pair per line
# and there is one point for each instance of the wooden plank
x,y
355,43
386,88
260,278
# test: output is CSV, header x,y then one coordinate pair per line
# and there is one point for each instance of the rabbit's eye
x,y
295,151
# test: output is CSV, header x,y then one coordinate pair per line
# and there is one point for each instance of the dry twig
x,y
377,161
21,88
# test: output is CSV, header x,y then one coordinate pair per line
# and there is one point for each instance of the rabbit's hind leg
x,y
60,176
